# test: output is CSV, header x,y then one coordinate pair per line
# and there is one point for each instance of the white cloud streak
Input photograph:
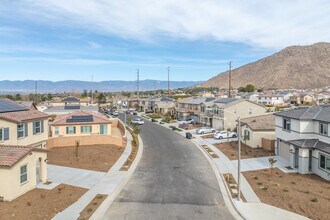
x,y
267,24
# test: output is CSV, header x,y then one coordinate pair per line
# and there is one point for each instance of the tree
x,y
272,161
49,96
249,88
84,94
101,98
18,97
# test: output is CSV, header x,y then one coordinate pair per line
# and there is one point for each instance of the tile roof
x,y
10,155
97,118
225,100
311,144
197,100
260,123
317,112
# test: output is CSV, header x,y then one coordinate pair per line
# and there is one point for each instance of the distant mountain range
x,y
297,67
28,86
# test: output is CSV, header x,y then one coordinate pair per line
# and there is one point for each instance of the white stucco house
x,y
303,139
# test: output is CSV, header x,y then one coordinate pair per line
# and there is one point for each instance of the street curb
x,y
99,213
230,204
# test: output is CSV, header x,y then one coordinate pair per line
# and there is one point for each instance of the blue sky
x,y
59,40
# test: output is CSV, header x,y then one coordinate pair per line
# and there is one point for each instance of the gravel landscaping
x,y
96,157
230,150
307,195
41,203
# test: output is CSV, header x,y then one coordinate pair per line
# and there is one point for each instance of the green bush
x,y
155,116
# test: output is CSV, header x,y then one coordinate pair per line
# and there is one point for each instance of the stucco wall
x,y
10,186
316,167
256,137
31,139
62,130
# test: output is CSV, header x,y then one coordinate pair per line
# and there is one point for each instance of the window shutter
x,y
42,126
74,129
34,128
6,134
26,127
67,130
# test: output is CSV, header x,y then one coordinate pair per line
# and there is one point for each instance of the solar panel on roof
x,y
8,106
72,107
80,118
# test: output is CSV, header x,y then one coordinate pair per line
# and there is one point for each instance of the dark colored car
x,y
134,113
188,135
149,111
154,120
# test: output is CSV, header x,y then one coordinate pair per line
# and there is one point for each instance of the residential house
x,y
162,105
191,108
303,139
222,114
271,99
21,169
253,97
23,126
85,127
259,131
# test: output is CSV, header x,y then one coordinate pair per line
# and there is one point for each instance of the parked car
x,y
188,135
138,121
189,121
225,134
128,112
134,113
205,130
154,120
149,111
115,113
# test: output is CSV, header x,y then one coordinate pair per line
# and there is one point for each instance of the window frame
x,y
2,134
104,128
326,157
20,130
23,174
86,132
323,127
56,130
285,125
71,130
38,127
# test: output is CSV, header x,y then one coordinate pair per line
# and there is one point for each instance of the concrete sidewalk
x,y
104,185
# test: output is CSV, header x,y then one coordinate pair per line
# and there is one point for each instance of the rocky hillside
x,y
293,67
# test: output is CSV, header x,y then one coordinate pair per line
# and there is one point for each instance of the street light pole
x,y
239,159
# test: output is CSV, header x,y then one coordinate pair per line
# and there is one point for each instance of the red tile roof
x,y
97,118
10,155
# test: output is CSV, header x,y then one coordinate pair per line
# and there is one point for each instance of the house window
x,y
323,128
2,134
20,131
37,127
286,124
250,111
104,129
23,174
246,135
71,130
57,130
324,162
86,129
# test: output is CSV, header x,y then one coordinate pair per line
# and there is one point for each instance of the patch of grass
x,y
255,178
265,188
155,116
285,190
259,184
314,200
307,192
99,197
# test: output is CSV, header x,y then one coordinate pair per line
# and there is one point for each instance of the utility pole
x,y
168,79
229,81
35,92
137,84
239,159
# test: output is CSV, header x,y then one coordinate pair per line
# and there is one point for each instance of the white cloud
x,y
270,24
94,45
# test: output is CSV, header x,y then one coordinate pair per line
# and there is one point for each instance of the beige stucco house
x,y
259,131
21,169
20,125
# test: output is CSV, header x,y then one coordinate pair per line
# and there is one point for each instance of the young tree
x,y
249,88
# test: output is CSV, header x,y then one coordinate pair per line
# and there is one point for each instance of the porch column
x,y
293,152
43,170
303,160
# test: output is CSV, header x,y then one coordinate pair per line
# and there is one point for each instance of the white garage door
x,y
284,150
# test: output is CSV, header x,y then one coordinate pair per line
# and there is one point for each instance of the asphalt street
x,y
172,181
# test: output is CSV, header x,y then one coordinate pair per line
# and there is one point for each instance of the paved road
x,y
172,181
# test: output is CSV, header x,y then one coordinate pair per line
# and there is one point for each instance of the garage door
x,y
284,150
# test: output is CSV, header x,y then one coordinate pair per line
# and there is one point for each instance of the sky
x,y
110,39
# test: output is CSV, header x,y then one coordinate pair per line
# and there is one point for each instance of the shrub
x,y
155,116
314,200
285,190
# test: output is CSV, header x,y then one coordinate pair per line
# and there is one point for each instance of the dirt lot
x,y
40,203
230,150
307,195
97,157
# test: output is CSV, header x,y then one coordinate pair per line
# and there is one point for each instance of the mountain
x,y
28,86
299,67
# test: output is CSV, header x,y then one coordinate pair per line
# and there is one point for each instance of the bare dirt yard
x,y
307,195
41,203
96,157
230,150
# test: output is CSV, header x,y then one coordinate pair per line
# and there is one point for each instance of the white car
x,y
205,130
138,121
225,134
189,121
115,113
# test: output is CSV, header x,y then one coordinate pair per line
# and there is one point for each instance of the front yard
x,y
96,157
230,150
307,195
41,203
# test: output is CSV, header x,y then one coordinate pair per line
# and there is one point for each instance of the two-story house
x,y
271,99
161,105
190,108
20,125
222,115
303,139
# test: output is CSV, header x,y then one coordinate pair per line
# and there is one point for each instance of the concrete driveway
x,y
172,181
